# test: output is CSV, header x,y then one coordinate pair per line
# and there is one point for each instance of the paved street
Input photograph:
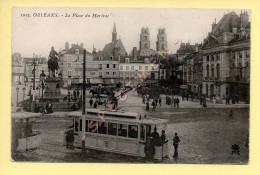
x,y
206,135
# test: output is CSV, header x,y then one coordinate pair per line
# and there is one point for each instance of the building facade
x,y
40,65
17,69
226,59
71,64
132,67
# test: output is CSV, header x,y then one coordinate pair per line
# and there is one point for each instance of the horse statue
x,y
53,61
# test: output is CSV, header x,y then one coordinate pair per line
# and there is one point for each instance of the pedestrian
x,y
90,102
177,102
204,104
147,106
77,93
192,96
143,99
74,94
201,99
214,100
156,102
95,105
153,104
176,141
160,102
230,115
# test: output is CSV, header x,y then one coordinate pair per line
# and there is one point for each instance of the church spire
x,y
114,34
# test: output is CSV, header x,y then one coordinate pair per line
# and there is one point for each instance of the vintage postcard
x,y
130,85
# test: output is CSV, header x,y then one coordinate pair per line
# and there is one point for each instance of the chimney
x,y
81,45
214,24
244,18
196,47
66,46
135,53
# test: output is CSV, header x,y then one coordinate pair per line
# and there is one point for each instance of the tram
x,y
119,132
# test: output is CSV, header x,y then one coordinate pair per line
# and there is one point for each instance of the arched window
x,y
145,46
218,70
207,70
212,70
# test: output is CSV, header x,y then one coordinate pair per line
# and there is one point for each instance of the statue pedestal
x,y
53,95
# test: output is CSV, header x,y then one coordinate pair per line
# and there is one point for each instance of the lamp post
x,y
24,89
42,77
68,100
17,90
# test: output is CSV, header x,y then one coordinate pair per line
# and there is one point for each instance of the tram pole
x,y
84,84
84,103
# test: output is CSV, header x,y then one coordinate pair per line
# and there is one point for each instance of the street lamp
x,y
24,89
17,90
68,99
42,77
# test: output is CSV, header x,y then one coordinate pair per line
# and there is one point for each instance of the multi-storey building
x,y
226,58
17,69
131,66
40,65
194,70
70,64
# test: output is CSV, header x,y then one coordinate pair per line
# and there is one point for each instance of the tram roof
x,y
24,115
128,117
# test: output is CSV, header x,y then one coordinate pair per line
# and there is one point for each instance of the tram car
x,y
120,132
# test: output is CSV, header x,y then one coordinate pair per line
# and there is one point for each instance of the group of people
x,y
155,103
173,100
97,102
155,139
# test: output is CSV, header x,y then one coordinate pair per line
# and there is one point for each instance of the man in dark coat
x,y
155,136
177,102
147,106
176,141
90,102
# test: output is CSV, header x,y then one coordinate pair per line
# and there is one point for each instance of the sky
x,y
36,35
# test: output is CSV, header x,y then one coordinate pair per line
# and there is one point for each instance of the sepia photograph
x,y
130,85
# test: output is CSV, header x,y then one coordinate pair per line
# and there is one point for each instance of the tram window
x,y
133,131
122,130
80,125
86,126
112,127
76,125
142,136
102,128
93,126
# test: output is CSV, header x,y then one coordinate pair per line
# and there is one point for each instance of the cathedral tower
x,y
145,42
161,40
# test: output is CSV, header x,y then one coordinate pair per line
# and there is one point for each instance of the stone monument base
x,y
53,95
